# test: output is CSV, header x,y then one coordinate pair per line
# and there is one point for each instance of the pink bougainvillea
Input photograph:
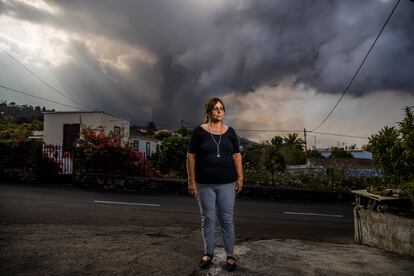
x,y
105,153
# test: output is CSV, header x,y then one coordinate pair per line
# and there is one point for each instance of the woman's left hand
x,y
239,185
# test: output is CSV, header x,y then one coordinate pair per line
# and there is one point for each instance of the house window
x,y
148,149
136,145
117,130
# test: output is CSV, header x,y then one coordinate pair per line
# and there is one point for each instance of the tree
x,y
406,129
183,131
290,148
314,154
173,153
255,156
385,147
277,141
275,162
151,126
340,153
293,154
292,139
263,157
162,135
20,129
352,147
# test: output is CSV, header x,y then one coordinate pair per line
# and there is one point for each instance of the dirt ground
x,y
45,249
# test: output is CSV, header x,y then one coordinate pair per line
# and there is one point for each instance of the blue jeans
x,y
217,199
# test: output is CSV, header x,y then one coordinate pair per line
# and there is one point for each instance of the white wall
x,y
109,122
143,145
53,124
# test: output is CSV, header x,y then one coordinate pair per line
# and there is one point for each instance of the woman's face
x,y
217,113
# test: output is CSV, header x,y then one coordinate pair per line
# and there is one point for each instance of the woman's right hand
x,y
192,188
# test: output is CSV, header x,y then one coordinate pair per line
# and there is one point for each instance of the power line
x,y
43,81
37,97
299,131
359,68
270,130
176,126
265,130
336,134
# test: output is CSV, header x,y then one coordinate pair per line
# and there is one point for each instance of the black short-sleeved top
x,y
210,169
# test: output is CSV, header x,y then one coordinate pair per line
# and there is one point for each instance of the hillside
x,y
21,113
19,121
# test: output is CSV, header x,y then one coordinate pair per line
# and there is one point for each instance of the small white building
x,y
63,128
145,144
37,135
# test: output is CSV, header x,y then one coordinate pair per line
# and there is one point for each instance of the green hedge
x,y
22,160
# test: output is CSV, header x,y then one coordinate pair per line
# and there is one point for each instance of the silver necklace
x,y
217,143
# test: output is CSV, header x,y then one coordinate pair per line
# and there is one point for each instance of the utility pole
x,y
304,135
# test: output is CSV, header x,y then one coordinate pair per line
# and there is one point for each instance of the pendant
x,y
218,155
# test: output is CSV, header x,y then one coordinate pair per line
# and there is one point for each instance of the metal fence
x,y
59,156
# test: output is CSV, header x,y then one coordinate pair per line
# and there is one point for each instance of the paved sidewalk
x,y
47,249
295,257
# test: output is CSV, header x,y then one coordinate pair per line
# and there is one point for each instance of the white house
x,y
37,135
63,128
145,144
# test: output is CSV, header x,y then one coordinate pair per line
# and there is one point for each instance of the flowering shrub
x,y
97,152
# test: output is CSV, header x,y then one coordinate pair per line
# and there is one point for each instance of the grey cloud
x,y
103,88
238,46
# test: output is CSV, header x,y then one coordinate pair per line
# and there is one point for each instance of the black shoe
x,y
230,267
206,264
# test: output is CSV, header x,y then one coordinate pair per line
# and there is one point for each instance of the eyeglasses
x,y
217,109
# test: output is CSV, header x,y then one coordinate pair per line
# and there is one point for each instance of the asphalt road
x,y
255,220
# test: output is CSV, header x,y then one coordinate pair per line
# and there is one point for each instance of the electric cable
x,y
37,97
43,81
359,68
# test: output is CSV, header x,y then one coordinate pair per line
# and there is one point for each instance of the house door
x,y
70,135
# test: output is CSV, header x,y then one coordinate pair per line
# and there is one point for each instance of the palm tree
x,y
385,147
292,139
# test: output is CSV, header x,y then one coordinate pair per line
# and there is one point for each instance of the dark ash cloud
x,y
208,48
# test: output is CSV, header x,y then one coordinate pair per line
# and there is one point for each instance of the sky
x,y
277,64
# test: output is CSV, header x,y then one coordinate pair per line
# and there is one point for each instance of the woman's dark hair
x,y
208,108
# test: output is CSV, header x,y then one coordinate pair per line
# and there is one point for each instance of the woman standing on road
x,y
215,175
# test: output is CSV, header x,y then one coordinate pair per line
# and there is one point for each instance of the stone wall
x,y
384,230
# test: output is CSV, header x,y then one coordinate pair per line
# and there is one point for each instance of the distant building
x,y
37,135
351,166
145,144
360,154
163,131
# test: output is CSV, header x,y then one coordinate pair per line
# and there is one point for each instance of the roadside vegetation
x,y
393,151
265,164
